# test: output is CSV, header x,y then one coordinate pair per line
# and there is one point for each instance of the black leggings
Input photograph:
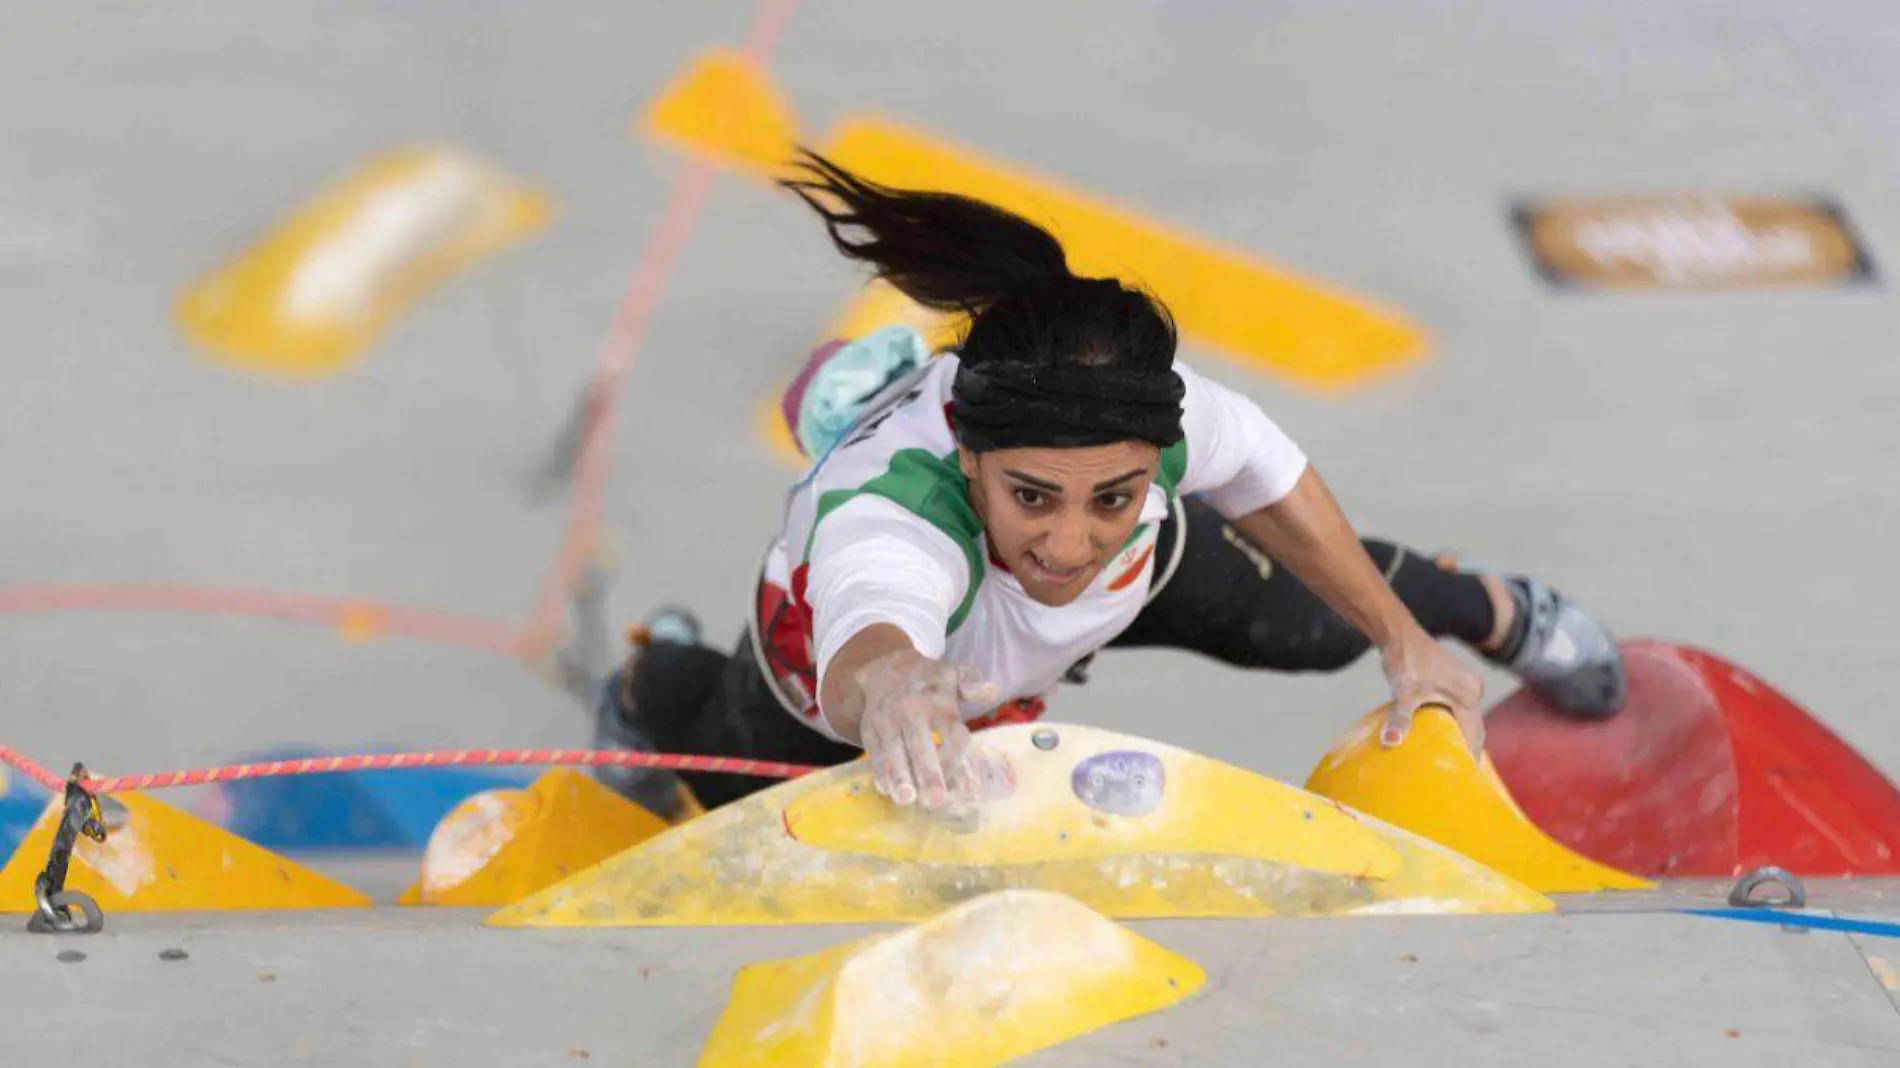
x,y
697,700
1226,599
1221,596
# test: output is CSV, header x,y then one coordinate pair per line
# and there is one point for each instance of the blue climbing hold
x,y
348,811
21,802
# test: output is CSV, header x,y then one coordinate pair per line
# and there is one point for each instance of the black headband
x,y
1022,405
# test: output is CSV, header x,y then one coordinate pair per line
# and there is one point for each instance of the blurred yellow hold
x,y
879,305
1203,839
1263,316
769,427
725,106
989,981
1431,786
1883,972
156,858
499,846
1046,821
314,294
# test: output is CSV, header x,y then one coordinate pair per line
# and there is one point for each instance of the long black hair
x,y
1009,276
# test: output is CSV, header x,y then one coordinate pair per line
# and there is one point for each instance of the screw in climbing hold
x,y
1743,895
112,813
1044,739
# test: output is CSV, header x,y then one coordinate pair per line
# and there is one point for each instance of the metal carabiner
x,y
53,903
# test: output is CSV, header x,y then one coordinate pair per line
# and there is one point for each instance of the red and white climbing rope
x,y
441,758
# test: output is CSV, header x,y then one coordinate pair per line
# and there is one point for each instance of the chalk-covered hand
x,y
917,744
1422,672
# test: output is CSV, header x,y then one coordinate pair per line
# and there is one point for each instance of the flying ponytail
x,y
946,252
1050,359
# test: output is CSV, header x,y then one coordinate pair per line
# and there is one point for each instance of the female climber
x,y
1055,484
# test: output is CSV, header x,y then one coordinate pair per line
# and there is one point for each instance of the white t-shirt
x,y
881,530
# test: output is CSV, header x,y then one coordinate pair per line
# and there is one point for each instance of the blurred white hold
x,y
471,834
343,275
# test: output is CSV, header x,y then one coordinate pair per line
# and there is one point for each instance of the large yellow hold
x,y
309,298
1431,785
994,979
499,846
156,858
1263,315
1129,827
